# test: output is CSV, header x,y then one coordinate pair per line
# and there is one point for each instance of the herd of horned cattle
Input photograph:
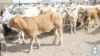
x,y
31,20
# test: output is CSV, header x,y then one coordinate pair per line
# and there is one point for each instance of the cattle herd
x,y
34,19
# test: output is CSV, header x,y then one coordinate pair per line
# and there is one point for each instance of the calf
x,y
33,26
73,17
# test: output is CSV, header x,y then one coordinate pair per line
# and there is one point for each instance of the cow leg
x,y
56,35
74,27
38,44
60,32
19,38
87,25
23,38
99,22
71,28
95,23
32,40
86,28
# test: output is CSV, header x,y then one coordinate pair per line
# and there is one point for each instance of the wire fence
x,y
66,3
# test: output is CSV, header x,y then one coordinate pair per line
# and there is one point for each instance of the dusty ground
x,y
79,44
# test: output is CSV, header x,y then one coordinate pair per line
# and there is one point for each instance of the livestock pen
x,y
79,44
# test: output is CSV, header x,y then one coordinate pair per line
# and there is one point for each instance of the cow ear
x,y
14,20
17,15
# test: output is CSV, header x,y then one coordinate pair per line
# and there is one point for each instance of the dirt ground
x,y
79,44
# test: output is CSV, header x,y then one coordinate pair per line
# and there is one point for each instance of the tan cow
x,y
33,26
88,15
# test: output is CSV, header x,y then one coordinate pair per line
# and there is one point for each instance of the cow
x,y
88,15
73,15
26,10
6,17
33,26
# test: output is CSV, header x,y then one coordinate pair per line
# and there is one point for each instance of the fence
x,y
66,3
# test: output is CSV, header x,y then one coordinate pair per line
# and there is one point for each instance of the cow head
x,y
16,22
80,10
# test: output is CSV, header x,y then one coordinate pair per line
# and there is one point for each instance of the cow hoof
x,y
53,43
99,26
86,30
74,32
92,26
18,43
38,47
71,32
23,43
28,51
59,44
96,24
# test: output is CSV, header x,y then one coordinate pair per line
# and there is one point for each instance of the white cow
x,y
26,10
6,18
73,15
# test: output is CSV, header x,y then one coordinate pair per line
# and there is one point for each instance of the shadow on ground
x,y
94,43
21,47
96,31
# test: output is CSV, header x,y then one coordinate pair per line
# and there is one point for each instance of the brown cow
x,y
88,15
98,12
32,26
